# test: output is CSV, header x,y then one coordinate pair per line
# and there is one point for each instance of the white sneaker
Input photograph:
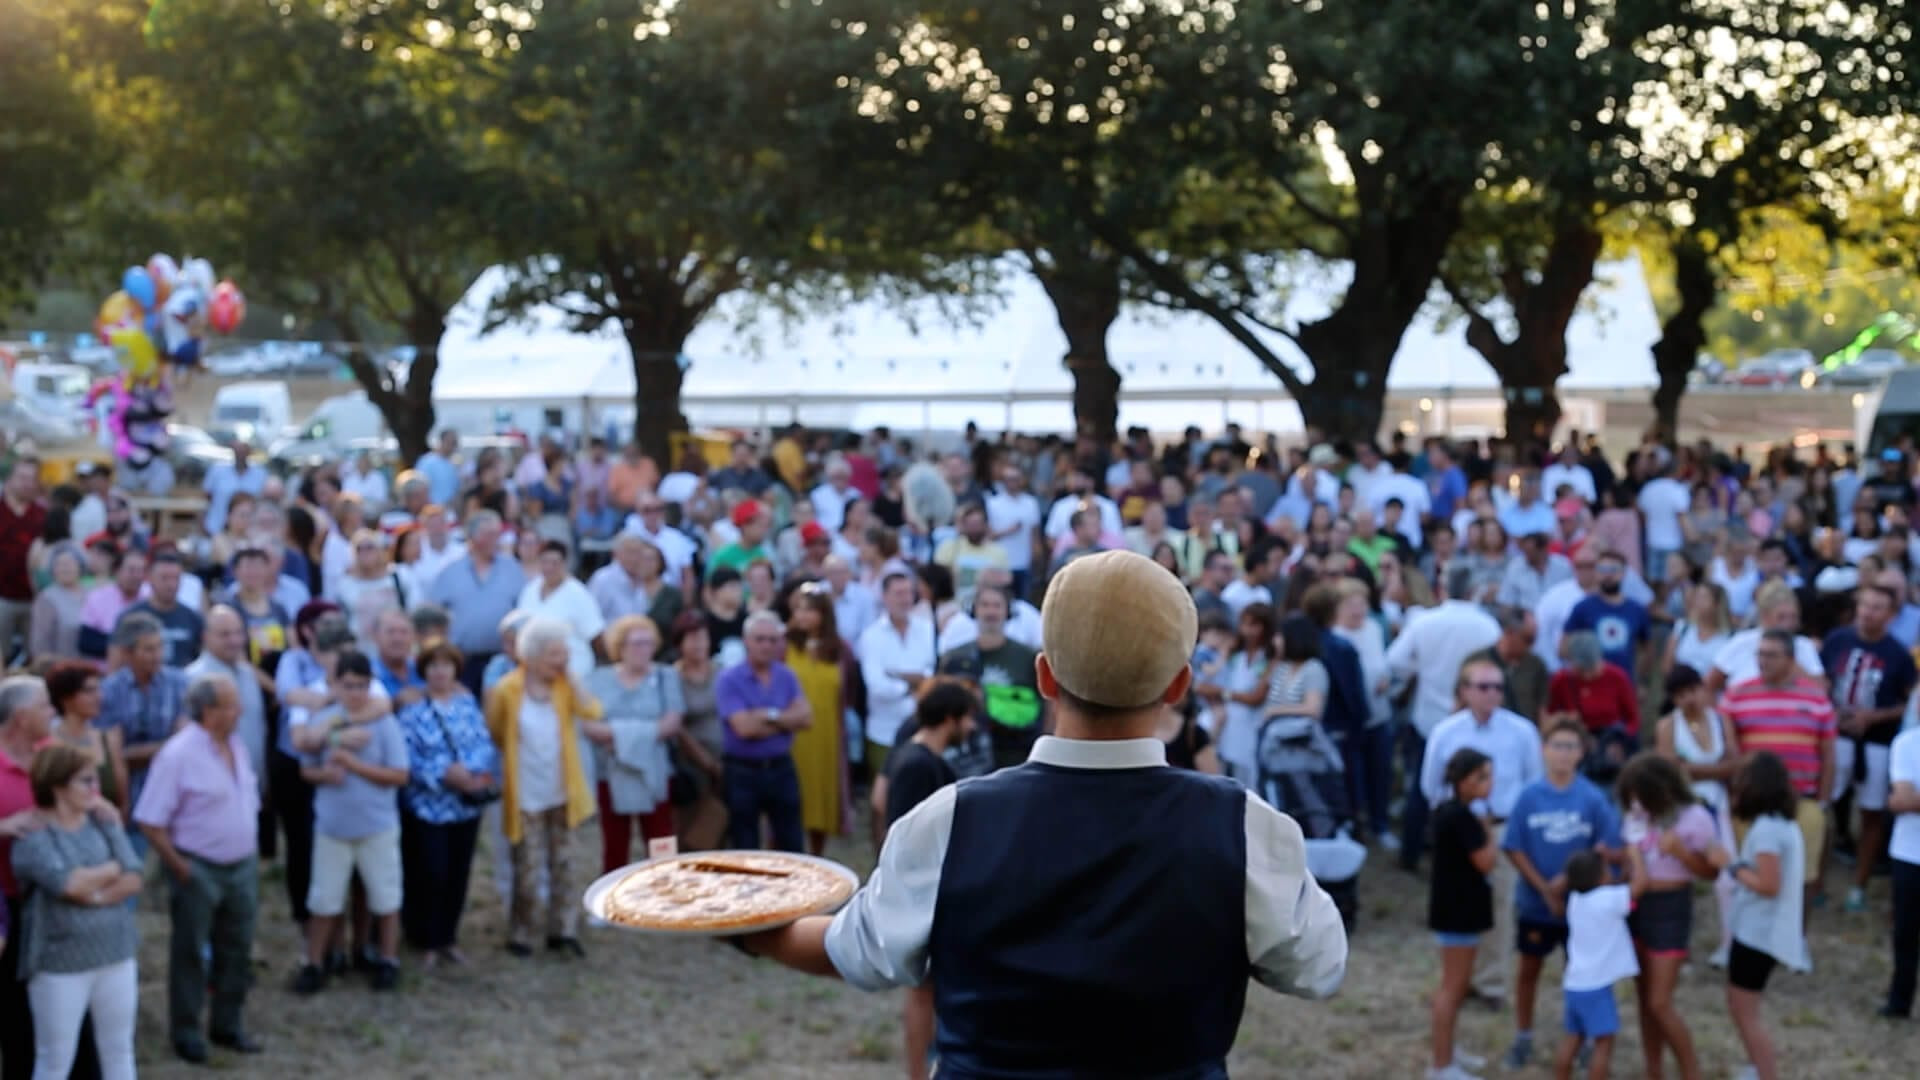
x,y
1720,958
1747,1072
1451,1072
1465,1060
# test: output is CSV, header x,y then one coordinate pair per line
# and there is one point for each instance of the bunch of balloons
x,y
160,315
163,311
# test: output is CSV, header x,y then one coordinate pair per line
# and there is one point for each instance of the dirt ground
x,y
658,1008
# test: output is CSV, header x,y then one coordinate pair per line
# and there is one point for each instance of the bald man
x,y
1092,911
223,651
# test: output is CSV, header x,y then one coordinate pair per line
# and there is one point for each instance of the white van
x,y
259,412
58,390
338,425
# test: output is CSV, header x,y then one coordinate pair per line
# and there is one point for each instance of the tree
x,y
1797,112
670,158
344,184
51,148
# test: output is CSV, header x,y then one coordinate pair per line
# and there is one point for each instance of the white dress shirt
x,y
1060,517
1550,621
884,649
432,560
676,548
853,611
1022,514
830,506
1510,740
572,604
1295,940
1023,626
1431,650
1415,501
1576,476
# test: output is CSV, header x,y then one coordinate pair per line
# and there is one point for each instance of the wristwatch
x,y
773,716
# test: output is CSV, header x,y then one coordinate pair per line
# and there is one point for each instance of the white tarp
x,y
874,363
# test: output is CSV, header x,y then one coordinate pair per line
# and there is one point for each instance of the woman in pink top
x,y
1674,832
1618,527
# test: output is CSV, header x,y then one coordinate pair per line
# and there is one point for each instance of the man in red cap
x,y
754,524
815,545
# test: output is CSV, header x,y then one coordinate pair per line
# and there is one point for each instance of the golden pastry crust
x,y
718,892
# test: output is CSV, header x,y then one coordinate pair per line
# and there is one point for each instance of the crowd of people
x,y
1578,685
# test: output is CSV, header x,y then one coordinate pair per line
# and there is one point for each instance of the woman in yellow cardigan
x,y
536,716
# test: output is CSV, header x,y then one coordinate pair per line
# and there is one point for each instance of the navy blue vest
x,y
1091,924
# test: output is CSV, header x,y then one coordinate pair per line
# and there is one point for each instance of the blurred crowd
x,y
370,673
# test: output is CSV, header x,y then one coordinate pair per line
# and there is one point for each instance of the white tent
x,y
872,363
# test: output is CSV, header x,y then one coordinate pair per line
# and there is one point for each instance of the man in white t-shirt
x,y
1904,848
1012,516
1739,658
1664,503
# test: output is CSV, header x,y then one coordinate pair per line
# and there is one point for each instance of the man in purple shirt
x,y
761,706
200,811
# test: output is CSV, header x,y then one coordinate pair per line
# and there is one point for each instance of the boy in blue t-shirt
x,y
1552,820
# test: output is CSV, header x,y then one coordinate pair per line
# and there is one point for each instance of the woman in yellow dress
x,y
820,660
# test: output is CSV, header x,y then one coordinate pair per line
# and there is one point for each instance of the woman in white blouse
x,y
553,593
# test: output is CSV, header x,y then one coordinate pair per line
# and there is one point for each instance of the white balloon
x,y
199,274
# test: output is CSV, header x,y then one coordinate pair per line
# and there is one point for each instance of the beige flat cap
x,y
1118,629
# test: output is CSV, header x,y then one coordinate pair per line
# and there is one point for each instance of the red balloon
x,y
227,309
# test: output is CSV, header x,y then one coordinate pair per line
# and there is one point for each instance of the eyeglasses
x,y
1488,687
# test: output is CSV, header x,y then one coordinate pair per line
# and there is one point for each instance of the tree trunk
x,y
1086,301
657,379
1684,333
406,405
1347,398
1532,363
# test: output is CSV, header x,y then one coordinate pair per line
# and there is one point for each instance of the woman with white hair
x,y
536,715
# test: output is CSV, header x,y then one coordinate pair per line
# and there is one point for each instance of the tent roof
x,y
871,350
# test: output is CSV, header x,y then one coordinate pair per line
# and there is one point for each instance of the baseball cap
x,y
1118,629
812,533
744,513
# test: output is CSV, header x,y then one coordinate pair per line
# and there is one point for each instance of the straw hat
x,y
1118,629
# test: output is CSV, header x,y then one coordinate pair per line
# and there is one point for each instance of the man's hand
x,y
354,737
1671,844
1719,857
331,775
340,757
598,732
1850,723
412,695
18,825
182,871
671,725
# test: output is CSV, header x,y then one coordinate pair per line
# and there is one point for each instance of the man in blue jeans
x,y
761,706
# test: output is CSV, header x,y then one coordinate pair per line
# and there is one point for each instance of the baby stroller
x,y
1302,774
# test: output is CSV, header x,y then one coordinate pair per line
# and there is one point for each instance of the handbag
x,y
477,799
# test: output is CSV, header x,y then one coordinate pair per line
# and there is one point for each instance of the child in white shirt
x,y
1599,954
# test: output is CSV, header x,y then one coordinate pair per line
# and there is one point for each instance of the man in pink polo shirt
x,y
1790,715
200,811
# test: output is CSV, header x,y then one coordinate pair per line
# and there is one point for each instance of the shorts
x,y
1812,819
1662,921
1871,794
1591,1014
1538,938
1748,968
877,758
1447,939
376,858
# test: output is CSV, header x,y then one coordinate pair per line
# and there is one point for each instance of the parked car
x,y
21,420
192,452
1867,369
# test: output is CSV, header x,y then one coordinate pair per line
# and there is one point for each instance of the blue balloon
x,y
153,324
138,284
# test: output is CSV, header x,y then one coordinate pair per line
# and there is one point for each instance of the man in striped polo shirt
x,y
1789,715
